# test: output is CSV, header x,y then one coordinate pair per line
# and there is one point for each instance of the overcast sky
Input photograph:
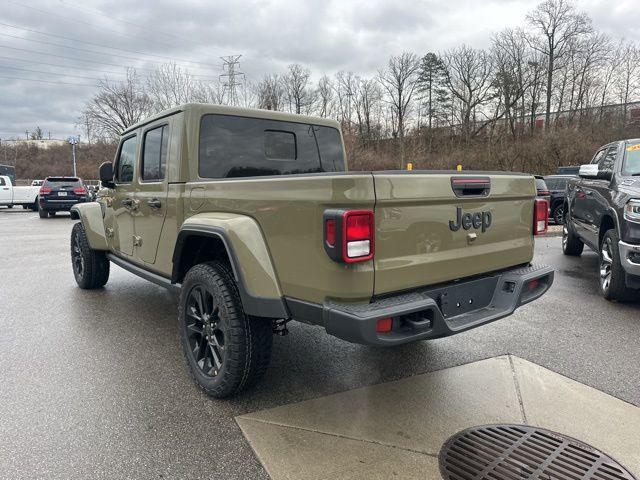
x,y
104,37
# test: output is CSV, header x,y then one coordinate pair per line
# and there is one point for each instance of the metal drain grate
x,y
501,452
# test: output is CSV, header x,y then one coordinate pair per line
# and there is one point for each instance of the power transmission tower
x,y
232,78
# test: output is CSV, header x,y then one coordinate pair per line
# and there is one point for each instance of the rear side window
x,y
330,147
154,156
126,160
233,146
2,182
540,185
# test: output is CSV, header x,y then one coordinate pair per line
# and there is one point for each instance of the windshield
x,y
632,159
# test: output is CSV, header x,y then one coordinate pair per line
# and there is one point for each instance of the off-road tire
x,y
43,213
90,267
571,244
247,340
615,288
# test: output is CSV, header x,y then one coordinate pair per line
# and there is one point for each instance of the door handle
x,y
154,203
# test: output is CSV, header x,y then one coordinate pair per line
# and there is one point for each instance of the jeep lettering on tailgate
x,y
476,220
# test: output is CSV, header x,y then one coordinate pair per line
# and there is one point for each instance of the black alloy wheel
x,y
206,331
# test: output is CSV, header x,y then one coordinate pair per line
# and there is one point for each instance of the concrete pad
x,y
558,403
295,454
398,428
417,413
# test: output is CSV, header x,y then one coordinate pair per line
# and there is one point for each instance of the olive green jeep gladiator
x,y
254,219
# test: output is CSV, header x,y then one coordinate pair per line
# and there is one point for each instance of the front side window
x,y
607,162
126,160
154,156
232,146
598,156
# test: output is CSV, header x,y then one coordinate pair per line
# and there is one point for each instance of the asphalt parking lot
x,y
93,383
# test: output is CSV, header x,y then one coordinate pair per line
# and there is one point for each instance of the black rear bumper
x,y
432,312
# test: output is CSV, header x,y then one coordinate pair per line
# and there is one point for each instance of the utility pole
x,y
73,141
232,78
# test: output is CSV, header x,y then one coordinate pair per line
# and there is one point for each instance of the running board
x,y
142,273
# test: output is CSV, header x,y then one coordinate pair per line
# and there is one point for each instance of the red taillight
x,y
357,236
80,190
330,232
45,190
349,235
384,325
540,216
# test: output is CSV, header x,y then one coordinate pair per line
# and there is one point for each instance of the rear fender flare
x,y
90,214
248,255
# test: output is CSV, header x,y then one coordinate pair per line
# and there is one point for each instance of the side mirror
x,y
590,170
106,175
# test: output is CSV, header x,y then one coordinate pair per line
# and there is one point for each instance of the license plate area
x,y
62,194
466,297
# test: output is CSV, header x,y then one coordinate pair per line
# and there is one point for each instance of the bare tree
x,y
627,82
37,134
296,88
345,87
169,86
468,76
207,92
269,93
324,97
400,80
556,23
368,97
117,106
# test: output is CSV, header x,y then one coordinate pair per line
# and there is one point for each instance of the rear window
x,y
557,183
232,146
62,181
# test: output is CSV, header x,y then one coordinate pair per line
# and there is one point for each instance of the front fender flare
x,y
90,214
249,257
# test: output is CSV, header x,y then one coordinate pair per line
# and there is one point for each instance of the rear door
x,y
151,196
426,233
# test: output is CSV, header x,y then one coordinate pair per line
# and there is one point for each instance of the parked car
x,y
37,183
234,208
11,194
542,190
59,194
557,185
603,212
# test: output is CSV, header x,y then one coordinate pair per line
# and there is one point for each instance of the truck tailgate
x,y
415,243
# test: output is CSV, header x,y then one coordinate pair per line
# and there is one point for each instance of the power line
x,y
93,11
74,21
95,52
49,73
46,81
83,60
103,46
59,65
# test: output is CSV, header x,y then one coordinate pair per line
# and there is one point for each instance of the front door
x,y
151,197
122,201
